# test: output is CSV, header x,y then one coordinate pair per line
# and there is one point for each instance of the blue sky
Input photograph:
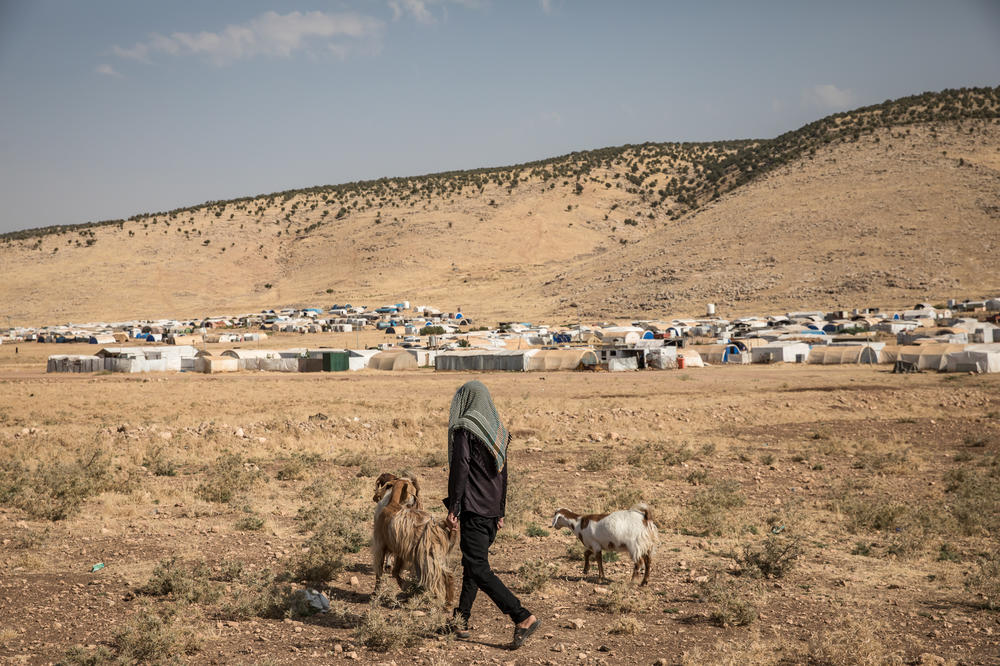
x,y
111,108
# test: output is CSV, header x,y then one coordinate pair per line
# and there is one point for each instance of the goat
x,y
415,540
630,530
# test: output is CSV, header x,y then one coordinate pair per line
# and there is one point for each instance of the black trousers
x,y
478,533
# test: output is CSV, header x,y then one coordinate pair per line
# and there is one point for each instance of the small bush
x,y
622,598
292,469
152,637
435,459
627,626
337,529
697,477
229,476
56,490
731,607
256,593
184,582
534,530
985,582
535,574
947,554
157,463
250,523
862,548
525,498
622,494
775,559
707,511
599,461
863,513
381,631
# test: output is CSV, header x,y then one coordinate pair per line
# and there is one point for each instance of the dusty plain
x,y
885,485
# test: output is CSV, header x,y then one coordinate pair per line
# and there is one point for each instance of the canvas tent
x,y
844,354
393,360
215,364
926,357
975,358
719,354
562,359
264,359
358,359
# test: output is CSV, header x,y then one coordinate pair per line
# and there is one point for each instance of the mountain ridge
x,y
494,239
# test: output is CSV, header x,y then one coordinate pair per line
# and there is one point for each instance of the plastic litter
x,y
777,529
317,601
97,567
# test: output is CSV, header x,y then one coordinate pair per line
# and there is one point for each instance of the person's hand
x,y
452,521
500,522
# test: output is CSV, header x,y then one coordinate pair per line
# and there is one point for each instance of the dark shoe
x,y
521,635
457,627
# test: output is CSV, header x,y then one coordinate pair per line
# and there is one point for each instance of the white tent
x,y
780,352
844,354
973,360
927,357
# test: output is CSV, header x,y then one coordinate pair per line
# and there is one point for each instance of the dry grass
x,y
313,525
853,641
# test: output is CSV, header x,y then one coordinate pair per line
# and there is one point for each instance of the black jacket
x,y
474,484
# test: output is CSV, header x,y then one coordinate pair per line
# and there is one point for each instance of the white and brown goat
x,y
630,530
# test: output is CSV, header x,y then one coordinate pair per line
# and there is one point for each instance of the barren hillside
x,y
883,205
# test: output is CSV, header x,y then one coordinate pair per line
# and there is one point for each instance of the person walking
x,y
477,499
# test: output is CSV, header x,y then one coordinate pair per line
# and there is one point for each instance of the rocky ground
x,y
825,515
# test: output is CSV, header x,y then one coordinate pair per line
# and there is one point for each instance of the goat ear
x,y
416,485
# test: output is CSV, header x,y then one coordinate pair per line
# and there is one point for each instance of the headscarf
x,y
472,409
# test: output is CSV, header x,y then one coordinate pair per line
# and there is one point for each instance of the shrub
x,y
534,530
621,495
230,475
338,529
622,598
187,583
379,631
627,626
731,607
985,582
250,523
775,559
431,330
706,512
599,461
535,574
152,637
157,463
292,469
54,491
257,593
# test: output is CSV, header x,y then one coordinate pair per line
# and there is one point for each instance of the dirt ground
x,y
202,495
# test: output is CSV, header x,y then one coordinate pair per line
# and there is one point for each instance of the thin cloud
x,y
546,6
270,34
829,96
415,8
422,10
107,70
